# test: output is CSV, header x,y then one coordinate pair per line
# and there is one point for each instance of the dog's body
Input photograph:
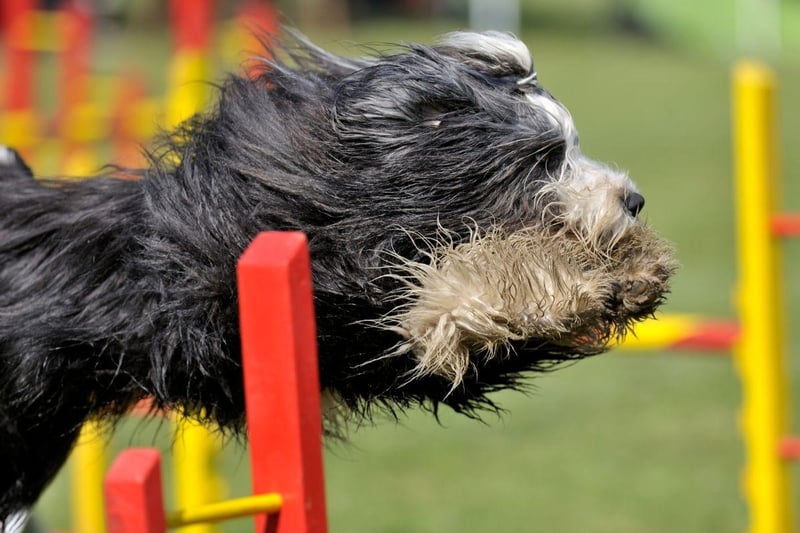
x,y
458,238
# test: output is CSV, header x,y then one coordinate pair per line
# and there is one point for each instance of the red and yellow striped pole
x,y
760,350
80,122
683,332
196,482
191,22
20,124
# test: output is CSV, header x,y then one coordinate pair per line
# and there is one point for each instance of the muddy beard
x,y
473,301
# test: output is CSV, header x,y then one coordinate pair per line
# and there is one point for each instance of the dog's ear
x,y
494,53
396,94
12,165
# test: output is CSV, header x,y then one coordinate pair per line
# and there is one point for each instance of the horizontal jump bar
x,y
789,448
786,225
226,510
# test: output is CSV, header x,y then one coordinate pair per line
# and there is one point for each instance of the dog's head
x,y
443,188
465,130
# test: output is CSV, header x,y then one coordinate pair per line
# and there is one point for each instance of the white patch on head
x,y
7,156
558,115
502,47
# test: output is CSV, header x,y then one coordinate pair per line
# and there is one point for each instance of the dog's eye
x,y
552,157
554,151
558,151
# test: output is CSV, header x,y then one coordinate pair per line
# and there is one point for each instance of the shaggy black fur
x,y
116,289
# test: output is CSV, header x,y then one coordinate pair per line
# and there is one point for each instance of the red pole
x,y
258,16
18,35
191,22
257,19
281,379
134,501
126,132
74,55
786,225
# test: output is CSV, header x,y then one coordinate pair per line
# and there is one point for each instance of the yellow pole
x,y
20,129
79,162
760,351
88,469
188,85
196,481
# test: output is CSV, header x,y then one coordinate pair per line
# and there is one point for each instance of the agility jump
x,y
284,423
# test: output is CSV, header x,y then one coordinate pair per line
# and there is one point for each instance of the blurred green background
x,y
618,443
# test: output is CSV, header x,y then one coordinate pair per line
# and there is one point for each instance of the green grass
x,y
619,443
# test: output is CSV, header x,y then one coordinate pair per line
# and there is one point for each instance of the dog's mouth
x,y
471,302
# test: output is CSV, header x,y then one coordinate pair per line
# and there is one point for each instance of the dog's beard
x,y
469,302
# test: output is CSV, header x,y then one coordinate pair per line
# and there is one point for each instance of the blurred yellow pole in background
x,y
188,85
88,463
196,482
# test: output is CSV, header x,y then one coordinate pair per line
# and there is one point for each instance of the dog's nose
x,y
634,203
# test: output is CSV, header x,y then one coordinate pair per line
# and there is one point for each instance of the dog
x,y
459,240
